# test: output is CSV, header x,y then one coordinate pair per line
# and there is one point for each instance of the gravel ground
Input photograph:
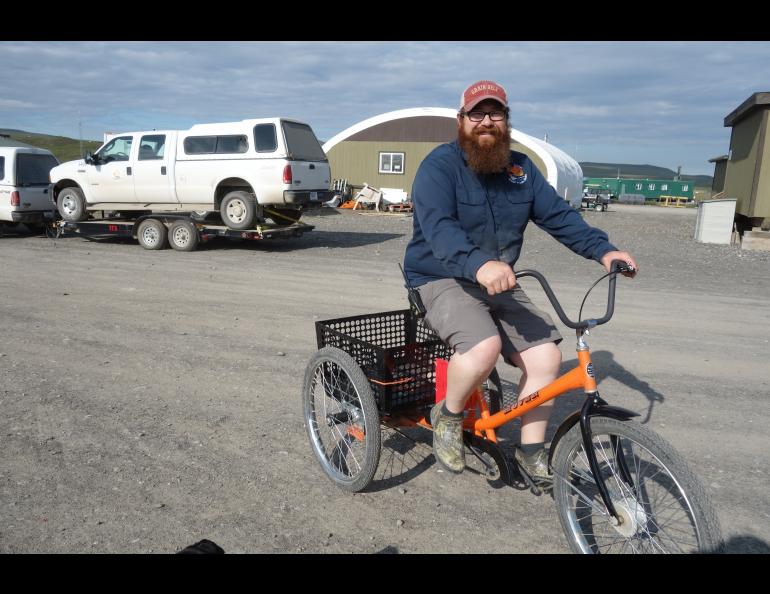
x,y
151,399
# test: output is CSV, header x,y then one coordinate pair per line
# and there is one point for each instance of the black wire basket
x,y
395,350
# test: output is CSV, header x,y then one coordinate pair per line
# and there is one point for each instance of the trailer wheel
x,y
152,234
71,205
238,210
183,236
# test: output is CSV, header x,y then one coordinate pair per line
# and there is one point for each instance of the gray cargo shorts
x,y
463,315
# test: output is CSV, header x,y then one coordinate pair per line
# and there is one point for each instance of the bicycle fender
x,y
599,410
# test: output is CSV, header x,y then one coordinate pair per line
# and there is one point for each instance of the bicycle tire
x,y
666,509
341,418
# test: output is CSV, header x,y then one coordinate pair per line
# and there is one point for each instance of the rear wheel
x,y
599,207
341,419
71,205
238,210
152,234
183,236
662,506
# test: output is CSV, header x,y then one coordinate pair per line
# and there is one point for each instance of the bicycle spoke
x,y
655,514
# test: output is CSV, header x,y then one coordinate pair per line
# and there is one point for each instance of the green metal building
x,y
651,189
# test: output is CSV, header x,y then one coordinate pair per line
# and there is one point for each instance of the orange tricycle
x,y
618,486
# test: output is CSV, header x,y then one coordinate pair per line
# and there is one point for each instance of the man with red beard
x,y
472,201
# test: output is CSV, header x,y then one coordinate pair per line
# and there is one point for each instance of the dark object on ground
x,y
202,547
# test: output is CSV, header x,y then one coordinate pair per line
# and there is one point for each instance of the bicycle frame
x,y
582,376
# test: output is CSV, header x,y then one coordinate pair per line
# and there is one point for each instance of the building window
x,y
685,187
651,186
392,163
664,187
638,186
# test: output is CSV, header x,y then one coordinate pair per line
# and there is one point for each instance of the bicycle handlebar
x,y
615,267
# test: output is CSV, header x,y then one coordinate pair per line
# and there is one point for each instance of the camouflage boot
x,y
447,439
535,465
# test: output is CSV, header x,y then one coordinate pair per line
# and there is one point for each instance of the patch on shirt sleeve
x,y
516,174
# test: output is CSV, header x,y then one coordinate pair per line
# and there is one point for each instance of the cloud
x,y
658,97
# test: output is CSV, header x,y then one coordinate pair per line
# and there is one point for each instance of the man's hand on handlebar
x,y
624,257
496,277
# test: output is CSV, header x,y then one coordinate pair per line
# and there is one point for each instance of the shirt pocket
x,y
520,196
472,210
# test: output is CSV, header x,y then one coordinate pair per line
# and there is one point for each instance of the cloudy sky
x,y
658,103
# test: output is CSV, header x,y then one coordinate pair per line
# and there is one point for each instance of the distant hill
x,y
641,172
65,149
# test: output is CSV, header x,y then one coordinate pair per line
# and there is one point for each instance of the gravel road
x,y
152,398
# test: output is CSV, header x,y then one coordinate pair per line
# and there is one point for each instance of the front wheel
x,y
71,205
341,419
152,234
662,505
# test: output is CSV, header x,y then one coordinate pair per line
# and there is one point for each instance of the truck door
x,y
111,179
153,178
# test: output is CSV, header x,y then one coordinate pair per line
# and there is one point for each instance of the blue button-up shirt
x,y
462,220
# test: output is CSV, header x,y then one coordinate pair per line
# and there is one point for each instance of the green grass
x,y
65,149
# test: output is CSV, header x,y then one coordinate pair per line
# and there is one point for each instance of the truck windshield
x,y
301,143
33,170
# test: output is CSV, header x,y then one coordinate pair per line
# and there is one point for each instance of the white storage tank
x,y
715,220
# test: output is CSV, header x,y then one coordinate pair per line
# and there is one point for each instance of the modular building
x,y
747,175
651,189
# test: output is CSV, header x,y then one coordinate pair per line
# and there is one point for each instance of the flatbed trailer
x,y
180,231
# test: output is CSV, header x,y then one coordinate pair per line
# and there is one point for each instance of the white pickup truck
x,y
24,187
247,171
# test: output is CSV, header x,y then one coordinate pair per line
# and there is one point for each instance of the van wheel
x,y
152,234
183,236
71,205
238,210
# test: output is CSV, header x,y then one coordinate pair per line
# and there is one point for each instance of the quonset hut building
x,y
385,151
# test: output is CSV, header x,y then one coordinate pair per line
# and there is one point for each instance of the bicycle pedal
x,y
529,480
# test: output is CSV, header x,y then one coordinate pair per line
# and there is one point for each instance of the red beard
x,y
486,158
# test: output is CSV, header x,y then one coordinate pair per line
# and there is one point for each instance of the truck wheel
x,y
71,205
183,236
238,210
152,234
599,207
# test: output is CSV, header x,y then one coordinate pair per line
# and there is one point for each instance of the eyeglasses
x,y
478,116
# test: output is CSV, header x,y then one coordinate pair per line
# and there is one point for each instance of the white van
x,y
247,171
24,185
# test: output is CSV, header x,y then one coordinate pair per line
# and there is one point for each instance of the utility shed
x,y
386,150
747,176
720,168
